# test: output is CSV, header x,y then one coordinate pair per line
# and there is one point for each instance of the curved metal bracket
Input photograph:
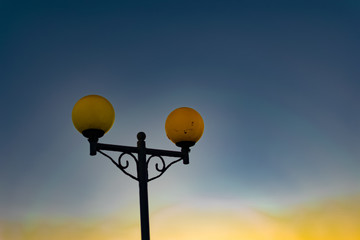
x,y
120,165
160,168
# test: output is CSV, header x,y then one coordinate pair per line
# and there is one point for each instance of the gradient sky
x,y
277,84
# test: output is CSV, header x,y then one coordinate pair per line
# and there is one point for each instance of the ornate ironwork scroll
x,y
162,167
120,165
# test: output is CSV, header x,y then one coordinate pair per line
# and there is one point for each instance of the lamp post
x,y
94,115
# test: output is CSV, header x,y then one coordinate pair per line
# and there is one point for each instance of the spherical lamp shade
x,y
184,126
93,116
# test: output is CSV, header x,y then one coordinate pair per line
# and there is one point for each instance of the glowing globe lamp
x,y
184,126
93,116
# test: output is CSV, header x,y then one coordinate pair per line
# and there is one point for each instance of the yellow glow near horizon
x,y
331,220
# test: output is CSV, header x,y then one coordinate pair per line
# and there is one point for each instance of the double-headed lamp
x,y
93,116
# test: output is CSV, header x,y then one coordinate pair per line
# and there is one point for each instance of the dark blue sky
x,y
276,82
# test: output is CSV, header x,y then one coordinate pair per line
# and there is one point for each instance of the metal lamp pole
x,y
144,156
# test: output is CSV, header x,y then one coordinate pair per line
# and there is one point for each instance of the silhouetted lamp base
x,y
93,133
185,144
185,149
93,136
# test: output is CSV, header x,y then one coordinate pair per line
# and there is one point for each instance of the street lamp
x,y
94,115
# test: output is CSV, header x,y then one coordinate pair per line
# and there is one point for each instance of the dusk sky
x,y
276,82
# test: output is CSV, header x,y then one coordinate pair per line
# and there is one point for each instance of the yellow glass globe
x,y
93,112
184,125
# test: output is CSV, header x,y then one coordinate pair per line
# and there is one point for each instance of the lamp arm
x,y
116,148
154,153
184,154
